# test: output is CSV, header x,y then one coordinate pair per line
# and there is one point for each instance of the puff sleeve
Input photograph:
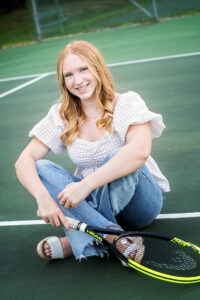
x,y
131,109
49,130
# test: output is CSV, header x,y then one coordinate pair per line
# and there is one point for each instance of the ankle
x,y
110,238
67,249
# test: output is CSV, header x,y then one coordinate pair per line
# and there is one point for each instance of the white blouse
x,y
88,156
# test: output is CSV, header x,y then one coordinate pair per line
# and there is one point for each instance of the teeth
x,y
82,88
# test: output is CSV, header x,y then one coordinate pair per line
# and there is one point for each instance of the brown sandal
x,y
55,246
131,247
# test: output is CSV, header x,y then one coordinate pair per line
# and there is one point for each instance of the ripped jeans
x,y
132,202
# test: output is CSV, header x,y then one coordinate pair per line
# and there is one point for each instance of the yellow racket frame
x,y
166,277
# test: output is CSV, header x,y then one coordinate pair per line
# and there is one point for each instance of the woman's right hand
x,y
29,178
51,212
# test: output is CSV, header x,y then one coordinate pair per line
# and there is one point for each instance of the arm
x,y
128,159
29,178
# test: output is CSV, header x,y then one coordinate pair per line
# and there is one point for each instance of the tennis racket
x,y
162,257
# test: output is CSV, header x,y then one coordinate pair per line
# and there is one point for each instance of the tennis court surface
x,y
161,62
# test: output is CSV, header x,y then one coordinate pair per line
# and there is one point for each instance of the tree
x,y
9,5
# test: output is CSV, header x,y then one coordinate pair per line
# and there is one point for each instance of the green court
x,y
159,61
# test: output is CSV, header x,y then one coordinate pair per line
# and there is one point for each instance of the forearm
x,y
127,160
28,176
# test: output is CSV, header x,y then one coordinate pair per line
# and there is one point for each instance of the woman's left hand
x,y
73,194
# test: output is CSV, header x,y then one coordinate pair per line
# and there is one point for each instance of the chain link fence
x,y
62,17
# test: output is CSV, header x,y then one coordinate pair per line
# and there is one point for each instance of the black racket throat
x,y
122,233
104,231
94,231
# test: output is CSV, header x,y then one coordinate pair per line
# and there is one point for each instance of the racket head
x,y
161,257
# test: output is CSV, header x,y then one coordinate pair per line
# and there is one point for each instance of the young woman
x,y
108,136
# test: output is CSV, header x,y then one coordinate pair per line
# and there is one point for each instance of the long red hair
x,y
71,111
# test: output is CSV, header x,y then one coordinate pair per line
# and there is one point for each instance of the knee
x,y
42,166
152,211
141,211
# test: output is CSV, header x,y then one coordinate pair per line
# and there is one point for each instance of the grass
x,y
18,28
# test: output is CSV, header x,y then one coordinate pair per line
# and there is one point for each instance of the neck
x,y
91,109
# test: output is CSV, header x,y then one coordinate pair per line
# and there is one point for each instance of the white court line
x,y
161,216
17,223
112,65
179,215
23,85
20,77
153,59
25,77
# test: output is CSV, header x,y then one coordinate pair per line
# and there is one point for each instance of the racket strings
x,y
172,259
181,262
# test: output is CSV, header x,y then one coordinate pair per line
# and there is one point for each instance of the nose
x,y
78,79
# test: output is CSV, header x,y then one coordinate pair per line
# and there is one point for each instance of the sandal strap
x,y
130,249
136,245
55,246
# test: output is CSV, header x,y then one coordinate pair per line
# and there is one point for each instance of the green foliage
x,y
17,27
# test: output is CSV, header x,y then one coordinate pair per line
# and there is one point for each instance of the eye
x,y
84,69
67,75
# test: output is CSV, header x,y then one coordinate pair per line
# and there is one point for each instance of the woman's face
x,y
78,78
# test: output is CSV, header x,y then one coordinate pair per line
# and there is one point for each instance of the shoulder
x,y
130,109
49,129
54,114
55,109
129,101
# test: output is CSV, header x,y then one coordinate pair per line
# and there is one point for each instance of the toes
x,y
47,250
132,255
46,246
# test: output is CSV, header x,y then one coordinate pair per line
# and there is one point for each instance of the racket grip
x,y
73,223
76,224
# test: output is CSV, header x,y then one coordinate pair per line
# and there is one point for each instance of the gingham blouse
x,y
88,156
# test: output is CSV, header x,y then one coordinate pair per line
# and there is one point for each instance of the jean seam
x,y
142,174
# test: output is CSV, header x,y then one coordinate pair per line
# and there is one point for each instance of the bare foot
x,y
67,249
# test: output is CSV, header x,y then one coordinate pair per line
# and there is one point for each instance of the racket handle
x,y
76,224
73,223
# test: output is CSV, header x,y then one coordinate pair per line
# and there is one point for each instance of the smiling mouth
x,y
83,88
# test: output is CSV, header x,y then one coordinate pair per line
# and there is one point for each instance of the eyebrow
x,y
69,72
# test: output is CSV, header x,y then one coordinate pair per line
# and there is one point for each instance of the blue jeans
x,y
132,201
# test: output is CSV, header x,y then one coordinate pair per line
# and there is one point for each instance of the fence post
x,y
35,15
60,16
155,11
